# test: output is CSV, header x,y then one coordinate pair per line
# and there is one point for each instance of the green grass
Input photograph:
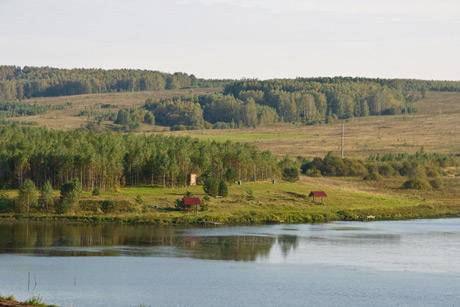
x,y
348,199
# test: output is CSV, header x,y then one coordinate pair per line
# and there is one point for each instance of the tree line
x,y
307,101
108,160
25,82
422,169
252,103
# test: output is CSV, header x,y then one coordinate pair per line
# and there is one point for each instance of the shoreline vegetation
x,y
10,301
349,199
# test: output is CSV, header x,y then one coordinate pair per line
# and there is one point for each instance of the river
x,y
404,263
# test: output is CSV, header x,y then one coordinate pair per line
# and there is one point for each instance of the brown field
x,y
68,118
436,127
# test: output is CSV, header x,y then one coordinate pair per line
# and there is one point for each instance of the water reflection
x,y
273,243
57,239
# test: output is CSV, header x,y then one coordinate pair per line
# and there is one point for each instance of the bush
x,y
46,197
386,170
96,191
7,205
313,172
290,173
211,186
179,204
223,189
374,176
70,196
108,206
436,184
27,198
432,171
416,183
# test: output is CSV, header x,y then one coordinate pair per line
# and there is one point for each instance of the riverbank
x,y
264,203
10,301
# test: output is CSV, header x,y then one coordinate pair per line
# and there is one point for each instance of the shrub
x,y
108,206
432,171
7,205
313,172
27,198
416,183
96,191
46,197
374,176
180,204
223,189
436,183
386,170
290,173
70,196
211,186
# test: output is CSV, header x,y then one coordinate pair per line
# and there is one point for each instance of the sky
x,y
238,38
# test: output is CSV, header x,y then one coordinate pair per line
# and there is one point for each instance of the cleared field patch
x,y
68,118
436,127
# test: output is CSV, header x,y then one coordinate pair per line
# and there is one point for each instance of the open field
x,y
436,127
68,118
348,199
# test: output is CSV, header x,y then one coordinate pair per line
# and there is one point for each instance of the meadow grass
x,y
348,199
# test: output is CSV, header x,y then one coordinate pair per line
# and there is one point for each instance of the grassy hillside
x,y
435,126
68,118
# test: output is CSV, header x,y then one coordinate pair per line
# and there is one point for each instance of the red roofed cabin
x,y
190,202
321,195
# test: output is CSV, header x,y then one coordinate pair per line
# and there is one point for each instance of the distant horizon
x,y
234,39
242,78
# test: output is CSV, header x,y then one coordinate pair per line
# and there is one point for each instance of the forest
x,y
243,103
254,103
110,160
27,82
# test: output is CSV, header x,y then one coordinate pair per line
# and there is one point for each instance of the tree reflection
x,y
59,239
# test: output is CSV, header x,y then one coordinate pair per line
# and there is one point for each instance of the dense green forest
x,y
108,160
26,82
254,103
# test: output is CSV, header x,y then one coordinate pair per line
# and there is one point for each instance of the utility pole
x,y
343,140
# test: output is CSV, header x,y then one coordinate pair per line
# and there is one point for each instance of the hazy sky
x,y
238,38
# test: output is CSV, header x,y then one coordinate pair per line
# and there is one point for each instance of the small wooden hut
x,y
191,203
318,196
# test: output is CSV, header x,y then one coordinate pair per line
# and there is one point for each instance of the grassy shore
x,y
262,203
10,301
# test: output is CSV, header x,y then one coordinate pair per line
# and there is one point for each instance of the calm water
x,y
407,263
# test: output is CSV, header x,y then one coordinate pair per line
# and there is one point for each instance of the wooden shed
x,y
191,203
318,195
